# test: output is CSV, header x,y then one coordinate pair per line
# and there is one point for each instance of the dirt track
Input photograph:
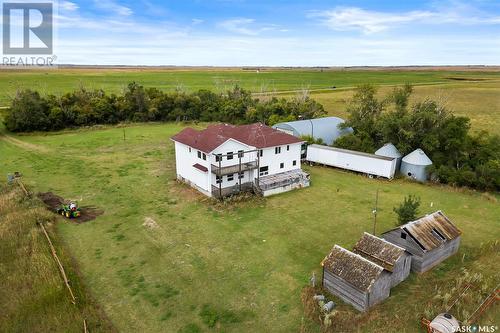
x,y
53,202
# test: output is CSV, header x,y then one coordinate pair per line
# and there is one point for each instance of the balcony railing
x,y
227,170
231,190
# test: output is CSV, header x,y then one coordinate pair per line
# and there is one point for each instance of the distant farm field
x,y
475,94
478,101
239,267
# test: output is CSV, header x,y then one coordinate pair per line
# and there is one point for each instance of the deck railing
x,y
230,190
227,170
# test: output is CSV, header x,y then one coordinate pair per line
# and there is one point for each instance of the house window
x,y
241,174
240,153
199,154
287,147
282,165
294,163
204,156
218,179
230,155
218,157
189,149
230,177
261,152
277,150
263,171
403,235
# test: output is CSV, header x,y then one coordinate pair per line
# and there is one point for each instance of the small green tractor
x,y
70,211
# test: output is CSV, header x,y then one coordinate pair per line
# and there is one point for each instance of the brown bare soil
x,y
53,202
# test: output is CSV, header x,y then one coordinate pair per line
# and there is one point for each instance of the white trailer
x,y
352,160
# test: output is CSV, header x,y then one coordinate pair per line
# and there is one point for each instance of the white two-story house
x,y
226,159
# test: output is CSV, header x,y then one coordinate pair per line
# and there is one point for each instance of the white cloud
x,y
196,21
246,26
369,22
239,25
67,5
113,7
353,18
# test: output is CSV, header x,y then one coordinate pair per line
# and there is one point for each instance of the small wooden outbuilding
x,y
354,279
394,259
430,239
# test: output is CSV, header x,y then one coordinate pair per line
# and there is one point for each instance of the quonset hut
x,y
389,150
391,257
414,165
326,129
430,239
354,279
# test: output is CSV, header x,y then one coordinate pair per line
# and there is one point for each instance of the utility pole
x,y
374,212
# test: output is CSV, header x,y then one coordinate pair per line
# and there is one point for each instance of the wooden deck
x,y
282,179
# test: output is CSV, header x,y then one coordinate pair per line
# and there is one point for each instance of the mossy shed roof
x,y
352,268
379,251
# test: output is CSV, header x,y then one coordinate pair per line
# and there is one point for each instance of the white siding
x,y
204,181
184,161
272,160
225,148
232,146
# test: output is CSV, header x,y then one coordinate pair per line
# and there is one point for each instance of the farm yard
x,y
163,257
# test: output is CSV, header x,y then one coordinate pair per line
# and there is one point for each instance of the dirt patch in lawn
x,y
150,223
53,202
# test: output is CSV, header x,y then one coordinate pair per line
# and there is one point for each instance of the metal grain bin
x,y
389,150
415,164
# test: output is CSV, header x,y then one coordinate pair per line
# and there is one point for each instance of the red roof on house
x,y
257,135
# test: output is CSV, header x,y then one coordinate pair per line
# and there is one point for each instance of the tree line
x,y
459,156
30,111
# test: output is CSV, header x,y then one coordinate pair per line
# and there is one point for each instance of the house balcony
x,y
227,170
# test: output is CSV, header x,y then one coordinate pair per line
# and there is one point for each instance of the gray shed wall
x,y
401,269
438,255
380,289
340,288
422,261
361,301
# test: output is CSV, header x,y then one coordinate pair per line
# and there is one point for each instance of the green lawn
x,y
245,262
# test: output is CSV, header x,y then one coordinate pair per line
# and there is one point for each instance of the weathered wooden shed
x,y
393,258
354,279
430,239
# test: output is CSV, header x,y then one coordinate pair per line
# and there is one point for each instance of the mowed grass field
x,y
242,265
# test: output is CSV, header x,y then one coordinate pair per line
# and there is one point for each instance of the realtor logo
x,y
27,28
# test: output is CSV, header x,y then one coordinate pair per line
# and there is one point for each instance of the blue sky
x,y
278,33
